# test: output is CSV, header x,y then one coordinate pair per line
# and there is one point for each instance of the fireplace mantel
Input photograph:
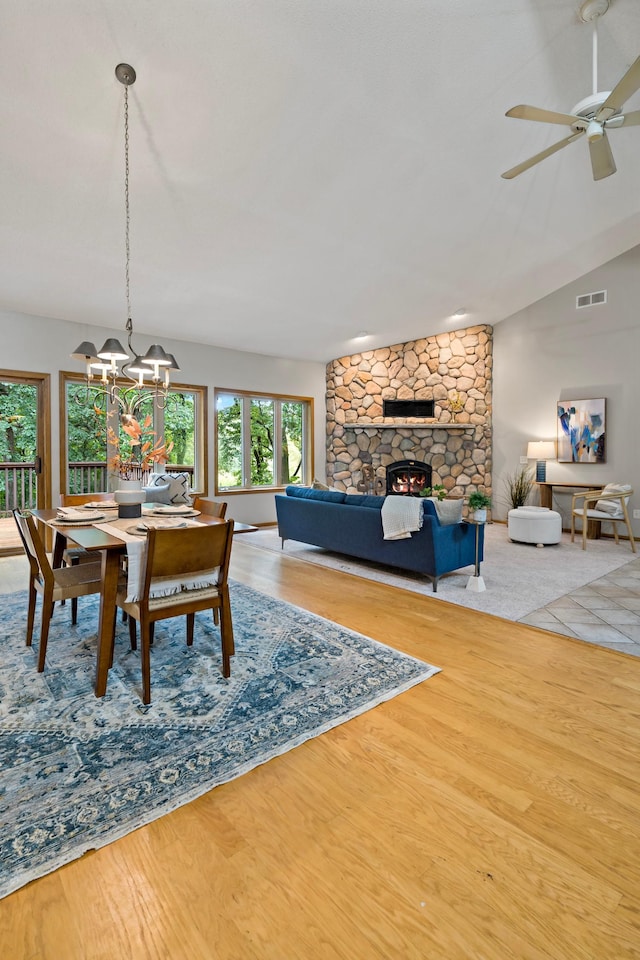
x,y
435,425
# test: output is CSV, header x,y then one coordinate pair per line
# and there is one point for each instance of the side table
x,y
476,582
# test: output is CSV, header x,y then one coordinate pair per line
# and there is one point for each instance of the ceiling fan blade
x,y
521,167
630,119
602,162
525,112
624,89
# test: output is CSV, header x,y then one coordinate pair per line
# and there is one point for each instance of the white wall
x,y
42,345
551,352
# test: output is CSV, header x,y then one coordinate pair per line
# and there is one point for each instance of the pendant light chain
x,y
112,361
127,208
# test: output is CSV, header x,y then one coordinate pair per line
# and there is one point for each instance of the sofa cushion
x,y
308,493
178,485
364,500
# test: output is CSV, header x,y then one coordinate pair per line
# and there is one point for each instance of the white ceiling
x,y
302,170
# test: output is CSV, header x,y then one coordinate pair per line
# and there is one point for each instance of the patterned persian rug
x,y
78,772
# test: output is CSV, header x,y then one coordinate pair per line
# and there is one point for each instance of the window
x,y
262,441
85,448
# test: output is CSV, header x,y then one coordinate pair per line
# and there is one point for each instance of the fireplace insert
x,y
407,478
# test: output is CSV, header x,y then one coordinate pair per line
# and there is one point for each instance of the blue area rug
x,y
77,773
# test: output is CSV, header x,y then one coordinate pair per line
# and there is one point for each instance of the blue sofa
x,y
352,524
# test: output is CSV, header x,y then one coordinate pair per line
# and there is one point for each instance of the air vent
x,y
591,299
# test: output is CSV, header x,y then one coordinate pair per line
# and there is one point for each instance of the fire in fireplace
x,y
407,478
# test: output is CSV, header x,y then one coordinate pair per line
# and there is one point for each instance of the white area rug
x,y
519,577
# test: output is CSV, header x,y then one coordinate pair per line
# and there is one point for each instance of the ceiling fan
x,y
594,115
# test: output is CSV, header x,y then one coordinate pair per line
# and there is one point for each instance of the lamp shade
x,y
156,355
86,351
541,450
112,349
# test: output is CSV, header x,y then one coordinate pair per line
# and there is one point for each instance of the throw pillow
x,y
319,485
178,485
159,493
613,507
449,511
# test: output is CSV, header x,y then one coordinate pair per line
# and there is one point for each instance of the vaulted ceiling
x,y
304,170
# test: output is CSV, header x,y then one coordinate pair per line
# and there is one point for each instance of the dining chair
x,y
609,506
184,571
72,553
61,583
212,508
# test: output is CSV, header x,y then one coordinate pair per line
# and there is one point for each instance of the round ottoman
x,y
537,525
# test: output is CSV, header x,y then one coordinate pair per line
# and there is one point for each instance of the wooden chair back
x,y
40,567
78,499
186,553
183,555
212,508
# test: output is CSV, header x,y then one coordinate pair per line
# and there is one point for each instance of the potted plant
x,y
437,492
518,486
478,503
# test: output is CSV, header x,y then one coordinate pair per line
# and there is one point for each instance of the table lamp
x,y
541,451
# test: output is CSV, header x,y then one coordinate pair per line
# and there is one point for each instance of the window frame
x,y
308,439
201,443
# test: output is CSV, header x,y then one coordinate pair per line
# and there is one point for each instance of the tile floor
x,y
606,611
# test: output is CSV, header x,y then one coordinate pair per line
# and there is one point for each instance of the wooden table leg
x,y
59,546
107,620
546,499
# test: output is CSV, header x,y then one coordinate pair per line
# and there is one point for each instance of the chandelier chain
x,y
126,203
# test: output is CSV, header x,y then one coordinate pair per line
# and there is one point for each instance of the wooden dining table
x,y
111,548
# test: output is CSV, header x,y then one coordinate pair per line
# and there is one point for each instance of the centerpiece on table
x,y
136,453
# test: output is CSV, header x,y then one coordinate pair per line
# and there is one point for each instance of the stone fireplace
x,y
427,400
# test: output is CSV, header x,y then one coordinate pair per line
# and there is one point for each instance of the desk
x,y
546,500
91,539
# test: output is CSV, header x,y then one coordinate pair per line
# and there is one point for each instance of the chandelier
x,y
112,374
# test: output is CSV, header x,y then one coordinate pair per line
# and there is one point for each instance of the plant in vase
x,y
136,453
478,503
518,486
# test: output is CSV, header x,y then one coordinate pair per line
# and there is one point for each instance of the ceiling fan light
x,y
594,131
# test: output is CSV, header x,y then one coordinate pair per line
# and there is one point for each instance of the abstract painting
x,y
581,431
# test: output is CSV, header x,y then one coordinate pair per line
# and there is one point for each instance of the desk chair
x,y
609,506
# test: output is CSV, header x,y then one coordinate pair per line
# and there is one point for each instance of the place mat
x,y
178,511
77,519
101,505
161,523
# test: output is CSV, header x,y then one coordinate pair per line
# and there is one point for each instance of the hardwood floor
x,y
489,813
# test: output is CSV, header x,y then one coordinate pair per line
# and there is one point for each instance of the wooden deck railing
x,y
18,487
18,482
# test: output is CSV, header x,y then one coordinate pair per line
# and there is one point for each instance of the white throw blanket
x,y
401,516
160,586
